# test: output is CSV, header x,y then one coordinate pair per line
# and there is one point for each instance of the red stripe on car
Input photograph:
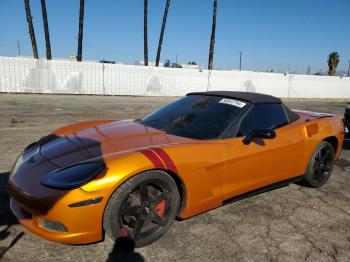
x,y
153,158
166,159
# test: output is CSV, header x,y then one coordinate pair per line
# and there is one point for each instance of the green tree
x,y
319,73
333,61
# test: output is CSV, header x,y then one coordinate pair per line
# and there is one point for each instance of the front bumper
x,y
84,224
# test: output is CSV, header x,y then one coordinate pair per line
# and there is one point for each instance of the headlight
x,y
30,151
73,176
17,164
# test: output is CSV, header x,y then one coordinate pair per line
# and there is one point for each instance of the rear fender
x,y
321,129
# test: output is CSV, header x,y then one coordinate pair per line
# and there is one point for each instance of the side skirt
x,y
262,190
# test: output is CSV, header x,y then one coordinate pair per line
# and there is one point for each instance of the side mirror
x,y
259,133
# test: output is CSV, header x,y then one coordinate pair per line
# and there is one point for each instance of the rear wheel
x,y
320,166
143,208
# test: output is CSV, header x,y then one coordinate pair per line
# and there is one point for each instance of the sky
x,y
273,34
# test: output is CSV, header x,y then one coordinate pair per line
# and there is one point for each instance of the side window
x,y
261,116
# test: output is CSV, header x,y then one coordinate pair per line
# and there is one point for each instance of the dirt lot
x,y
288,224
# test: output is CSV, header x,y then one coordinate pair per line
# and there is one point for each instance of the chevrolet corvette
x,y
133,178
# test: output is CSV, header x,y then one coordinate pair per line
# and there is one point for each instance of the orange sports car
x,y
134,177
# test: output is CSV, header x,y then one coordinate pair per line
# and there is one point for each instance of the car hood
x,y
101,140
71,145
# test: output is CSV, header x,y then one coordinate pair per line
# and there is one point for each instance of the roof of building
x,y
254,98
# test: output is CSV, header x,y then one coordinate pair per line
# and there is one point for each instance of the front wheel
x,y
320,166
143,208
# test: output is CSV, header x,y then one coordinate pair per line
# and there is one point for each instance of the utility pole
x,y
349,68
240,60
18,48
103,76
308,70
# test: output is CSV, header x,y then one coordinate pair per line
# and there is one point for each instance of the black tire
x,y
320,166
143,208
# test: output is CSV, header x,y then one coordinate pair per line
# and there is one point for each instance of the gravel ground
x,y
287,224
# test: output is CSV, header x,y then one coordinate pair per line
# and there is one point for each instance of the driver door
x,y
263,161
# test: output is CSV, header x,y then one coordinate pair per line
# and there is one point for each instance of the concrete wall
x,y
28,75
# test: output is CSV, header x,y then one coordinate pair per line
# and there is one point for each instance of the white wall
x,y
28,75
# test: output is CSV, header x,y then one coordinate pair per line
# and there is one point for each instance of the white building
x,y
150,63
161,64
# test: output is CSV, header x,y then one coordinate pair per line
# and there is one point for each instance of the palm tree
x,y
162,31
46,29
31,28
212,38
80,34
145,42
333,61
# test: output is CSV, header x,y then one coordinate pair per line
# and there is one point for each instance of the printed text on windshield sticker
x,y
232,102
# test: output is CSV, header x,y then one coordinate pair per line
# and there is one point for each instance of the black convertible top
x,y
254,98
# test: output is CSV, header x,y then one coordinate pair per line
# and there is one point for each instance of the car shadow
x,y
6,216
3,250
7,219
346,143
124,251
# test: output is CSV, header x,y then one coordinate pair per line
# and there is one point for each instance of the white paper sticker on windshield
x,y
232,102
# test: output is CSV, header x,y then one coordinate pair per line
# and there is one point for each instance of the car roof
x,y
255,98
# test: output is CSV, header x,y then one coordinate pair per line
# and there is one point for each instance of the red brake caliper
x,y
124,231
160,207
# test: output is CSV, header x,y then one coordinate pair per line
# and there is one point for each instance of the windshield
x,y
196,116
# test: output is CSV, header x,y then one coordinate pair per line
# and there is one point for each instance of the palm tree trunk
x,y
212,38
31,29
332,69
162,31
80,34
145,41
46,29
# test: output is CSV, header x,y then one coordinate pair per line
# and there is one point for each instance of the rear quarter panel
x,y
319,129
